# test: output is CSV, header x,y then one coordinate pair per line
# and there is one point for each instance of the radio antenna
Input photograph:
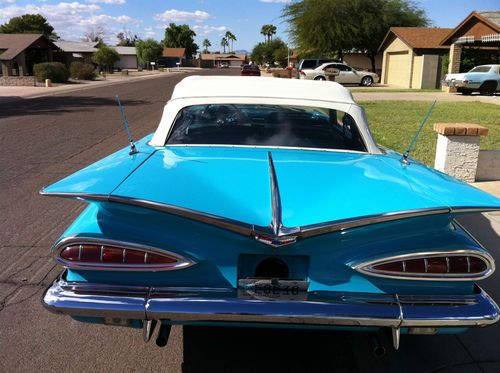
x,y
133,149
414,140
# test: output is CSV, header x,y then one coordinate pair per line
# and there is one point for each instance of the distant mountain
x,y
241,51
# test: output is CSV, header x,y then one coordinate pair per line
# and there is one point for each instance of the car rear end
x,y
133,262
169,269
250,70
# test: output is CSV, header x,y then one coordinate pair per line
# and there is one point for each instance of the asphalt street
x,y
45,139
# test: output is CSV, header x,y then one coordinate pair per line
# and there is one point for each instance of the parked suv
x,y
312,63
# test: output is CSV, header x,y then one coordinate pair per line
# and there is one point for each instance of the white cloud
x,y
118,2
205,29
275,1
71,20
7,1
174,15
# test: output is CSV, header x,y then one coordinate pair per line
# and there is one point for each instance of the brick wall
x,y
17,81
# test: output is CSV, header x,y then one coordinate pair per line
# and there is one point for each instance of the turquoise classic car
x,y
269,203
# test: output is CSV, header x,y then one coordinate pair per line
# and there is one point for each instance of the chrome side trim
x,y
224,305
471,209
253,230
182,262
338,225
366,268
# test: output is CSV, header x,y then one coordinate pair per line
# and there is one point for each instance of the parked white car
x,y
347,75
484,78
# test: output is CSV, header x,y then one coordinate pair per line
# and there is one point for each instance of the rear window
x,y
480,69
251,67
266,125
309,64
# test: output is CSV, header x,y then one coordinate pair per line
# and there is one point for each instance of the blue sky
x,y
209,18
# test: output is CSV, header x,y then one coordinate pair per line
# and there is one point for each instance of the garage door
x,y
398,69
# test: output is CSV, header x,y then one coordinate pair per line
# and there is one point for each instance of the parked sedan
x,y
250,70
347,75
484,79
267,202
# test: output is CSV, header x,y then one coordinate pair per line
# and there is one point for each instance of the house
x,y
479,31
172,56
412,56
216,59
128,58
71,51
19,52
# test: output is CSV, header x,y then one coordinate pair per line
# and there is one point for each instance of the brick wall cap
x,y
460,129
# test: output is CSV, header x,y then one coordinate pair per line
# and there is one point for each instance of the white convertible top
x,y
247,86
203,90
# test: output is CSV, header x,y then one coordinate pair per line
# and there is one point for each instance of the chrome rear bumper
x,y
184,305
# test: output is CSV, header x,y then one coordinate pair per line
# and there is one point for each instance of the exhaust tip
x,y
163,335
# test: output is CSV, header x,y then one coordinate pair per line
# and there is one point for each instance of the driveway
x,y
44,139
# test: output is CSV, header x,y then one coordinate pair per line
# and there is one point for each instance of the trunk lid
x,y
315,186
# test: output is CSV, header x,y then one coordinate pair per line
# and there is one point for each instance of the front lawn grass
x,y
394,123
392,90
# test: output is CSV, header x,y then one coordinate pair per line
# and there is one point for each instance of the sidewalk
x,y
492,187
9,94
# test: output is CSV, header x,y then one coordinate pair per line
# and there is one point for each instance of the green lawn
x,y
389,90
394,123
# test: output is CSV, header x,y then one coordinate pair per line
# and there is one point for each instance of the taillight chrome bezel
x,y
181,262
367,267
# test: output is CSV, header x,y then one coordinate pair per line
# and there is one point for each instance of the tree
x,y
94,35
105,56
29,24
263,31
224,43
328,27
126,39
230,37
268,31
206,45
148,50
270,52
180,36
271,31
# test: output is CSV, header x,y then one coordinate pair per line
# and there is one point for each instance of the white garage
x,y
128,58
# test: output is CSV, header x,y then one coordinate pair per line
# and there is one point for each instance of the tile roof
x,y
491,15
174,52
420,37
15,44
490,18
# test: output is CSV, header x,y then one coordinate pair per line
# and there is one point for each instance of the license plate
x,y
269,289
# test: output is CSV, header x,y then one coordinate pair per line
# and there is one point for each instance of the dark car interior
x,y
266,125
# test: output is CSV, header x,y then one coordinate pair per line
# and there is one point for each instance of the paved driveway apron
x,y
44,139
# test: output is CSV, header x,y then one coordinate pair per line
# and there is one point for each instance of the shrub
x,y
55,71
82,71
106,56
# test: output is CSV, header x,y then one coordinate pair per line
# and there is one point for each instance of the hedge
x,y
82,71
55,71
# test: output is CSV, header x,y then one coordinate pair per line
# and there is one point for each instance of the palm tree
x,y
264,30
271,32
230,37
224,44
206,44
